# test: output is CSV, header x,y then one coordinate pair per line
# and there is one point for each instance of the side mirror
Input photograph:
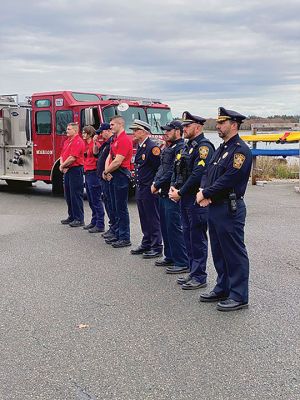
x,y
89,116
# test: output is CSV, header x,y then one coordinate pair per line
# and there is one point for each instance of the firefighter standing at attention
x,y
71,165
146,162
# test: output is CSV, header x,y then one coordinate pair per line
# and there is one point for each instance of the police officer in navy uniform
x,y
189,167
223,190
146,162
169,211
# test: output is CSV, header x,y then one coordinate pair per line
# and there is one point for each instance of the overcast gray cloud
x,y
193,54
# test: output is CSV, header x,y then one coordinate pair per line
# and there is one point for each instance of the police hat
x,y
172,125
229,115
138,124
103,127
188,118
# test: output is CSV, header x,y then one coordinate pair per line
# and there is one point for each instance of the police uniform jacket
x,y
190,165
228,171
146,163
163,177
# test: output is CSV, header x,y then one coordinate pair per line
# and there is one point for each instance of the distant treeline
x,y
210,123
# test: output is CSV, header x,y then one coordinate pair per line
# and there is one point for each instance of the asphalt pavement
x,y
81,320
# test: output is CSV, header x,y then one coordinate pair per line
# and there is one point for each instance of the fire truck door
x,y
43,133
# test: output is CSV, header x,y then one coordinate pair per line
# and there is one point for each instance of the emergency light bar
x,y
143,100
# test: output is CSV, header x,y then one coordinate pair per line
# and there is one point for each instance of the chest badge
x,y
143,157
178,157
191,150
225,155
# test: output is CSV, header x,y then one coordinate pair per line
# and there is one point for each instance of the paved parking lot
x,y
80,320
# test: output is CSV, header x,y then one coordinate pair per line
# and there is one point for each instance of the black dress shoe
x,y
66,221
164,263
89,226
211,297
177,270
192,284
231,305
95,229
75,224
111,240
121,243
139,250
183,279
152,254
108,234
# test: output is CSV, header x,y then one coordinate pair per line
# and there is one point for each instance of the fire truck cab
x,y
32,133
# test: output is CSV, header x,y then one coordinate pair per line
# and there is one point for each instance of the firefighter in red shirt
x,y
71,165
117,171
92,182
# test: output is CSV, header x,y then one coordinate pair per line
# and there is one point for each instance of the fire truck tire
x,y
57,183
18,184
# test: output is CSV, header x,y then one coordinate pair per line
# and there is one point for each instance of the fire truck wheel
x,y
57,183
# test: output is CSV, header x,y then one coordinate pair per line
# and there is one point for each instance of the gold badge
x,y
143,156
156,151
203,152
191,150
201,163
238,160
225,154
178,157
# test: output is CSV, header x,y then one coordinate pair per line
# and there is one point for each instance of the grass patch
x,y
268,168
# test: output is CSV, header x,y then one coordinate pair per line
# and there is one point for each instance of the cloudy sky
x,y
195,55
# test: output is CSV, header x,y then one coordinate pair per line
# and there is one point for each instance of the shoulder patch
x,y
238,160
203,152
156,151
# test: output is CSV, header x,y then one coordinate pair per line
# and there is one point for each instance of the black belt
x,y
90,170
220,201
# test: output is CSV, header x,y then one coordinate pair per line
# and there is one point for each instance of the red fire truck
x,y
32,132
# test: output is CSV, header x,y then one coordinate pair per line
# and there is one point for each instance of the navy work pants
x,y
194,222
149,220
73,189
119,197
171,229
108,203
93,191
226,231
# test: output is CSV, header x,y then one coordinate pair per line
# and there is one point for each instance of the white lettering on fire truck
x,y
44,152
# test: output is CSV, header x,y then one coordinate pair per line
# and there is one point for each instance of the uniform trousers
x,y
118,190
194,221
108,203
148,210
172,233
93,191
226,231
73,189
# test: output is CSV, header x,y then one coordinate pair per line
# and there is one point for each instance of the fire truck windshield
x,y
129,115
155,116
158,117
